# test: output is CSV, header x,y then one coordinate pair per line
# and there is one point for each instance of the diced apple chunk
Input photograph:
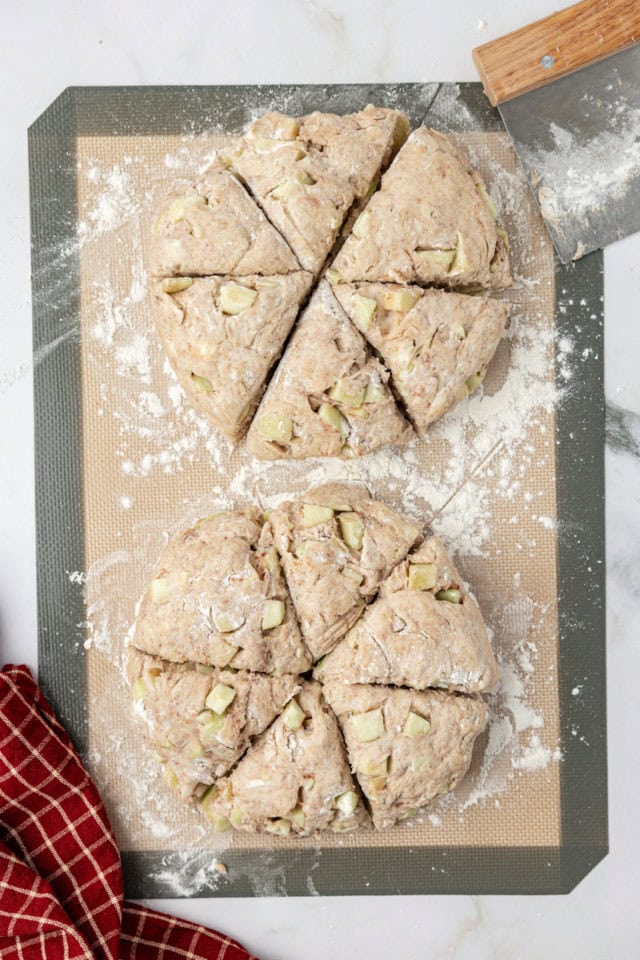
x,y
228,622
210,725
364,309
361,226
351,574
351,530
422,576
275,426
287,128
333,276
159,590
272,614
347,394
440,261
219,823
374,768
170,777
298,817
315,513
373,395
472,383
347,802
368,726
201,384
220,698
270,559
416,726
285,189
236,299
177,209
334,418
220,653
460,260
293,715
400,300
281,828
139,689
176,284
451,596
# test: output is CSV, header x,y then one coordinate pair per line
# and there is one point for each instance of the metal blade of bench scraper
x,y
578,139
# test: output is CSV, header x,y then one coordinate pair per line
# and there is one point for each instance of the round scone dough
x,y
243,604
235,256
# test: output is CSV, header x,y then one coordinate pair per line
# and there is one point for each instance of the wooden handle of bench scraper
x,y
555,46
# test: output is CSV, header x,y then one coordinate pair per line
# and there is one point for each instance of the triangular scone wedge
x,y
295,779
329,396
218,597
214,226
358,146
223,335
200,720
432,221
406,748
423,630
337,545
306,174
435,343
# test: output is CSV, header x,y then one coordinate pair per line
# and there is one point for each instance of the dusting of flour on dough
x,y
482,456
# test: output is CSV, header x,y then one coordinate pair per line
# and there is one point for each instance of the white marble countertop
x,y
45,47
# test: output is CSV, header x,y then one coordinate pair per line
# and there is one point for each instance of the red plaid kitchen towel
x,y
60,875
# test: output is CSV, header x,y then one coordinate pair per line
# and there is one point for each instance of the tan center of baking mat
x,y
485,474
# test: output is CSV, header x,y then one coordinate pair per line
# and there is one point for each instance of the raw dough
x,y
197,744
423,749
212,588
329,395
292,780
306,174
215,227
330,581
222,359
409,638
431,222
437,349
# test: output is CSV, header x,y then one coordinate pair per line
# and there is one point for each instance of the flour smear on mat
x,y
483,450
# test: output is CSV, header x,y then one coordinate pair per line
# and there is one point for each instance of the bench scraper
x,y
568,90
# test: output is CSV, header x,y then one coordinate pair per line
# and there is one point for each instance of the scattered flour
x,y
577,178
481,457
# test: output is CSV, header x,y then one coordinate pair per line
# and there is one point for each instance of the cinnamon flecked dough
x,y
241,606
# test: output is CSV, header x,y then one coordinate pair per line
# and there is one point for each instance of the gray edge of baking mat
x,y
55,269
96,111
580,490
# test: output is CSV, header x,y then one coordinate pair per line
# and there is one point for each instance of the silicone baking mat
x,y
512,478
